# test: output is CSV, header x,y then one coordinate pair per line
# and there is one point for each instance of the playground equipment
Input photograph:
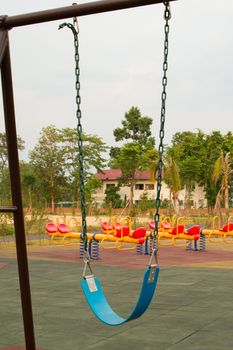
x,y
118,234
60,230
90,284
120,231
220,234
8,23
177,235
117,226
60,234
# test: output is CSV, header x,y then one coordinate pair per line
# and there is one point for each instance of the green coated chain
x,y
167,16
75,30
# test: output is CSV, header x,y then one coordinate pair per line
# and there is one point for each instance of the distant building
x,y
143,185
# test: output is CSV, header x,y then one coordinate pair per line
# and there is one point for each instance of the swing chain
x,y
75,29
167,16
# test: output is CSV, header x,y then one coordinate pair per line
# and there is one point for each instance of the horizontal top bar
x,y
72,11
8,209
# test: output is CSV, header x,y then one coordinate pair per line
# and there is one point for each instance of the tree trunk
x,y
30,198
52,204
131,194
175,202
227,198
132,184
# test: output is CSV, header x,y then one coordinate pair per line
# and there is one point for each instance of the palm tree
x,y
222,173
172,174
172,179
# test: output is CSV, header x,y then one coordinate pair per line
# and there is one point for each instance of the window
x,y
110,185
150,187
139,187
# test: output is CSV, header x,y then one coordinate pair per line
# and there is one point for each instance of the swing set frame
x,y
7,23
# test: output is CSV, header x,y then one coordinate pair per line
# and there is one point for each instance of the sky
x,y
121,56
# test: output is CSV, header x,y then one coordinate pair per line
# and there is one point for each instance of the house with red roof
x,y
110,178
143,185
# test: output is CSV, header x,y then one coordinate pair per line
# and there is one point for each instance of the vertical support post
x,y
11,135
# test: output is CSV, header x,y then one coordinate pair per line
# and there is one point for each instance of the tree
x,y
135,127
138,152
190,171
196,154
94,149
3,149
172,179
5,191
222,174
90,190
47,157
112,197
213,144
28,182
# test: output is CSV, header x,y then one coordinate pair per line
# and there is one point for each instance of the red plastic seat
x,y
51,228
178,229
152,224
227,227
165,225
122,231
140,232
141,240
62,228
107,226
194,230
196,237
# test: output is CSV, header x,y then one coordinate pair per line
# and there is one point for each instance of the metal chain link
x,y
75,30
167,16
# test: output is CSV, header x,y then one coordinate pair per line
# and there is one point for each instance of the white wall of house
x,y
144,186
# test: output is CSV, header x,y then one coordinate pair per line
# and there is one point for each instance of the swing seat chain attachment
x,y
90,278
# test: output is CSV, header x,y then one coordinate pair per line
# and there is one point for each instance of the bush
x,y
6,224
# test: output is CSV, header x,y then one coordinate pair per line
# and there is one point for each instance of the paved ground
x,y
192,309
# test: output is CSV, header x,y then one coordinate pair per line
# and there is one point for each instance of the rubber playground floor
x,y
192,308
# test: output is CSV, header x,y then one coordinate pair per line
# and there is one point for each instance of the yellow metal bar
x,y
228,234
216,219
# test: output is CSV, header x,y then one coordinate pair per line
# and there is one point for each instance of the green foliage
x,y
5,192
138,153
222,174
144,203
165,204
29,184
196,155
54,168
112,197
6,225
90,190
35,221
3,149
135,127
47,158
172,179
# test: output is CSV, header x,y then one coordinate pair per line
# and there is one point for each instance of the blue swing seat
x,y
99,305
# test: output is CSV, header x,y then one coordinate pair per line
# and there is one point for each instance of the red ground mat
x,y
16,347
3,265
168,256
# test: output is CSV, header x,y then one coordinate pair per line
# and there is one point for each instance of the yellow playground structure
x,y
118,233
220,234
